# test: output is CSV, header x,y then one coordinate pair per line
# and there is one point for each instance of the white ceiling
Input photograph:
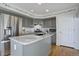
x,y
44,8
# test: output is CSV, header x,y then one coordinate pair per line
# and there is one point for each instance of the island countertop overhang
x,y
29,39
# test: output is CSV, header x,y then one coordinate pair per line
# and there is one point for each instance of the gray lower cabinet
x,y
40,48
53,39
16,49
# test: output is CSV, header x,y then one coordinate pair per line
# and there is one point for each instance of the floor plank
x,y
63,51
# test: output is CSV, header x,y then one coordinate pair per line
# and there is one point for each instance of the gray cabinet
x,y
39,48
46,23
53,39
38,21
27,22
16,48
50,23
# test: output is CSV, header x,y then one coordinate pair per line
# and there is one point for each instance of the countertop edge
x,y
32,41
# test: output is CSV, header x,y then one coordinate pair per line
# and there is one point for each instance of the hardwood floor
x,y
63,51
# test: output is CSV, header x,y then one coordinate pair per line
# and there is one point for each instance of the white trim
x,y
12,9
21,12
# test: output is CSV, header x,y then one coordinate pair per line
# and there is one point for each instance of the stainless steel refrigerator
x,y
9,26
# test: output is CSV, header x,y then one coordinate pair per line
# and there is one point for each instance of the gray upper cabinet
x,y
38,21
45,23
27,22
49,23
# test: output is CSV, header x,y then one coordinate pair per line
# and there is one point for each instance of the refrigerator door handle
x,y
4,31
5,41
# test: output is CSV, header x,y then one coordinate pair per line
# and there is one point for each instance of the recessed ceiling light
x,y
47,10
39,3
32,10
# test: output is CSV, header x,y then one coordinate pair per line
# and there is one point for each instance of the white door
x,y
76,31
65,29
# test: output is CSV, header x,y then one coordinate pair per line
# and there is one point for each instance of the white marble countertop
x,y
28,39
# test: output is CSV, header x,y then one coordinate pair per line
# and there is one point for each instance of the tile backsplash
x,y
26,30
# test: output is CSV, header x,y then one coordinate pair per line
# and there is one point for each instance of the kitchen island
x,y
31,45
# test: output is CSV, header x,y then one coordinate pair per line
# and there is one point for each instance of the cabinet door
x,y
65,29
46,23
16,48
27,22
